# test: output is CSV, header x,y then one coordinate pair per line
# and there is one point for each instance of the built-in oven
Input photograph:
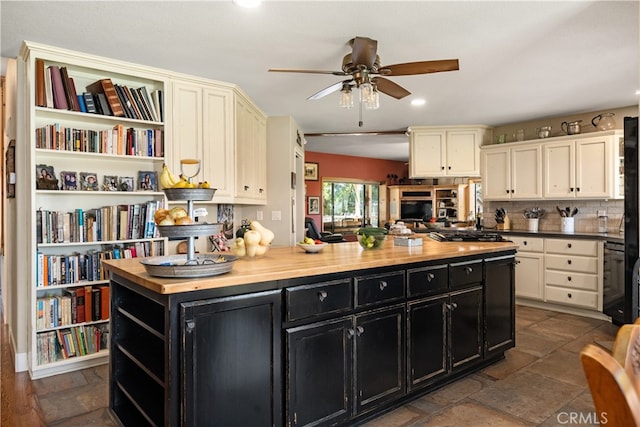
x,y
613,296
416,205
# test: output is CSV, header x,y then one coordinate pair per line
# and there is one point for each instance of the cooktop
x,y
466,236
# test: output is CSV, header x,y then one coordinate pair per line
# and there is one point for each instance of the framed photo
x,y
313,205
89,181
311,171
46,178
69,180
147,181
126,183
110,183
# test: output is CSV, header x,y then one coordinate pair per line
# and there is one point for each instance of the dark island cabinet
x,y
466,329
499,304
225,383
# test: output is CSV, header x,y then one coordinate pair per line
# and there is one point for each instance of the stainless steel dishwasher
x,y
613,282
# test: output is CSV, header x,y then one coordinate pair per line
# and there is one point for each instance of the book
x,y
83,106
59,97
102,106
104,302
88,304
73,294
158,103
68,89
106,87
96,306
41,95
48,88
132,103
89,103
147,100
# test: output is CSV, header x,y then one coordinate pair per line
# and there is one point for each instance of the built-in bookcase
x,y
96,209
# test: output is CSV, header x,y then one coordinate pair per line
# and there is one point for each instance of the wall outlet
x,y
276,215
259,215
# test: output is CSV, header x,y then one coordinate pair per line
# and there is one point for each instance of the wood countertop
x,y
292,262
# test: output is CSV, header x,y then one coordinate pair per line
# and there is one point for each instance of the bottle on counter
x,y
479,220
602,221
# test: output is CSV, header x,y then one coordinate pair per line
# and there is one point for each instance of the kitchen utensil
x,y
567,211
543,132
574,212
561,212
604,121
571,128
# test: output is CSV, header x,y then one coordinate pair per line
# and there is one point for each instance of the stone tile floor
x,y
539,383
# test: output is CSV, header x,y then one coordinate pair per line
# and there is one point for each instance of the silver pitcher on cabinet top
x,y
543,132
571,128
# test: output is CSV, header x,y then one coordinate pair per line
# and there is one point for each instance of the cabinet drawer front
x,y
572,247
572,263
312,300
428,280
465,273
572,297
380,287
571,280
528,244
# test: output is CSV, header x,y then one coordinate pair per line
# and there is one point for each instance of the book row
x,y
119,140
73,342
74,305
56,89
108,223
53,270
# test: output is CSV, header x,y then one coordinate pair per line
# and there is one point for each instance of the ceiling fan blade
x,y
364,51
421,67
390,88
294,70
326,91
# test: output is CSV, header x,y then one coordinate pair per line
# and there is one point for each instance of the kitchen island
x,y
292,338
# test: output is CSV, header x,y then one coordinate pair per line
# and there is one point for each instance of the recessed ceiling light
x,y
418,101
247,3
638,92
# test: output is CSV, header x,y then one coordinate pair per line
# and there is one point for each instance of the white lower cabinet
x,y
573,272
530,267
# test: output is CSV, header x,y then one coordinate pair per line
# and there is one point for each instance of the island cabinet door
x,y
379,357
319,373
465,328
499,303
231,361
427,341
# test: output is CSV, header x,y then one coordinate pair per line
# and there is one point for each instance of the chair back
x,y
616,400
312,228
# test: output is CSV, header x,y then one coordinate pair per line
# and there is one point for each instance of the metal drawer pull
x,y
569,295
569,261
569,245
359,330
524,243
383,284
468,270
322,295
452,306
430,277
569,278
350,333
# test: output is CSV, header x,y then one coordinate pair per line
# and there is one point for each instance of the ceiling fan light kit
x,y
363,66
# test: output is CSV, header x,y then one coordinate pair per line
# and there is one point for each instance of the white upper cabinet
x,y
438,151
510,173
251,153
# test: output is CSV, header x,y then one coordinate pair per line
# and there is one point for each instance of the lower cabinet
x,y
465,329
338,369
499,304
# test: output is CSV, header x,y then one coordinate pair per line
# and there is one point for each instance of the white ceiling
x,y
519,60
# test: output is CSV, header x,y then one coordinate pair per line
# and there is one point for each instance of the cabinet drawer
x,y
528,244
572,263
312,300
575,297
380,287
427,280
571,280
465,273
572,247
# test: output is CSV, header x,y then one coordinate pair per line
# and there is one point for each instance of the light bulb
x,y
373,103
365,92
346,98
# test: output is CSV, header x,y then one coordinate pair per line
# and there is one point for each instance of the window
x,y
349,205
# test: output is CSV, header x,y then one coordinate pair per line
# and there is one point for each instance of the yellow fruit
x,y
182,183
206,184
167,179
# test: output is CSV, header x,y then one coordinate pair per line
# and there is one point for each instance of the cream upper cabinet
x,y
437,151
579,169
251,153
202,128
511,173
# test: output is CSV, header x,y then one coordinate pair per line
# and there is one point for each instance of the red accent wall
x,y
338,166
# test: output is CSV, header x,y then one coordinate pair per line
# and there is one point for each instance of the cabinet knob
x,y
452,306
524,243
569,278
350,333
569,261
359,330
569,295
569,245
430,277
383,284
513,191
322,295
507,191
246,188
442,168
449,167
261,190
570,189
468,270
577,188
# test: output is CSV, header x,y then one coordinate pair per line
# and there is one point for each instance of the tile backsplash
x,y
586,220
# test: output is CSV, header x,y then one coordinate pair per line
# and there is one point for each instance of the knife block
x,y
506,224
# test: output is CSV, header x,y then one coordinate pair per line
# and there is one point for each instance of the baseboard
x,y
563,309
20,360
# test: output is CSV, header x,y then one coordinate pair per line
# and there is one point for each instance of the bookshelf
x,y
95,210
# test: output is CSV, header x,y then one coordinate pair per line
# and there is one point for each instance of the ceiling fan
x,y
363,67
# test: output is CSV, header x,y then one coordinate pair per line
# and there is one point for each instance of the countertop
x,y
609,237
292,262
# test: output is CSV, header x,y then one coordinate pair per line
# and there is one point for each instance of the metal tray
x,y
195,194
177,265
189,230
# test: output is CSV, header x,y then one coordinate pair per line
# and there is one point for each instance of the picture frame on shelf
x,y
126,183
313,205
310,171
147,181
69,180
89,181
110,183
46,178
